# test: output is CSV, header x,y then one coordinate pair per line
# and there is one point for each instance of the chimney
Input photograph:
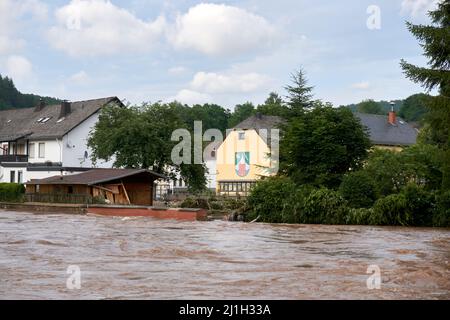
x,y
65,109
392,116
40,106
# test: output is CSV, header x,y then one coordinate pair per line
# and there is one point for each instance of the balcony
x,y
14,158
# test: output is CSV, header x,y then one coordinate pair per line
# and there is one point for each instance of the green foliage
x,y
267,198
391,171
241,112
324,206
11,98
300,95
370,106
359,189
359,216
140,137
435,41
421,204
414,108
11,192
441,216
273,106
321,145
413,206
386,169
195,203
391,210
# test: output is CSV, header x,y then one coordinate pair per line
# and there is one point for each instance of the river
x,y
144,258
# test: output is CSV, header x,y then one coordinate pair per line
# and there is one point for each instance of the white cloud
x,y
418,7
364,85
98,27
229,82
19,68
80,78
215,29
177,71
10,13
191,97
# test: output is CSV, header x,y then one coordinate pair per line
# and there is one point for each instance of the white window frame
x,y
41,147
31,147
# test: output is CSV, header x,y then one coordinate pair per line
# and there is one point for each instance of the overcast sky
x,y
224,52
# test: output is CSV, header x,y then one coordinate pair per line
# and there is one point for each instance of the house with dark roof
x,y
46,140
244,156
112,186
390,132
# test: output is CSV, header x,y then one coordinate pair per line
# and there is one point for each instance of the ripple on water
x,y
150,258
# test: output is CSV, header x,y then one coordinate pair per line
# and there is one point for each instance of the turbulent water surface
x,y
143,258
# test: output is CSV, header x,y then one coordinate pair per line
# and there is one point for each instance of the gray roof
x,y
260,122
384,133
96,176
19,123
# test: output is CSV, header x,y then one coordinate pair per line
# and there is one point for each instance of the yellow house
x,y
244,156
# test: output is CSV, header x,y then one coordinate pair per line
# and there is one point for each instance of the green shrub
x,y
324,206
441,217
391,210
11,192
359,189
268,198
420,204
359,216
216,205
200,203
233,204
294,204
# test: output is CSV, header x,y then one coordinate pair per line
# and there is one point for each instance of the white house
x,y
44,141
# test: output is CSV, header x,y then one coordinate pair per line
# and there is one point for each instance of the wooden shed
x,y
112,186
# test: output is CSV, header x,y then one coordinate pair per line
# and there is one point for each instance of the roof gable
x,y
18,123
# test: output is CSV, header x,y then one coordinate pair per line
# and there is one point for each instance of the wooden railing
x,y
59,198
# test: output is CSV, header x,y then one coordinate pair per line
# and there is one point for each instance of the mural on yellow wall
x,y
242,163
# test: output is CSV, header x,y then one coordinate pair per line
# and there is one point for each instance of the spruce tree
x,y
299,94
435,41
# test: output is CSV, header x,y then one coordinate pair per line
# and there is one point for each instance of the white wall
x,y
211,175
75,145
5,174
52,151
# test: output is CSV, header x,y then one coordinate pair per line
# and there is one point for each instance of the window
x,y
19,176
70,189
12,176
241,135
31,150
42,150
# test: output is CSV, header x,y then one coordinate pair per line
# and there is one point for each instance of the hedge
x,y
11,192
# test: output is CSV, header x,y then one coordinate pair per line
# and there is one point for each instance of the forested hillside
x,y
11,98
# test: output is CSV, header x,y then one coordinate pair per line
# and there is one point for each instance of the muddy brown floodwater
x,y
143,258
